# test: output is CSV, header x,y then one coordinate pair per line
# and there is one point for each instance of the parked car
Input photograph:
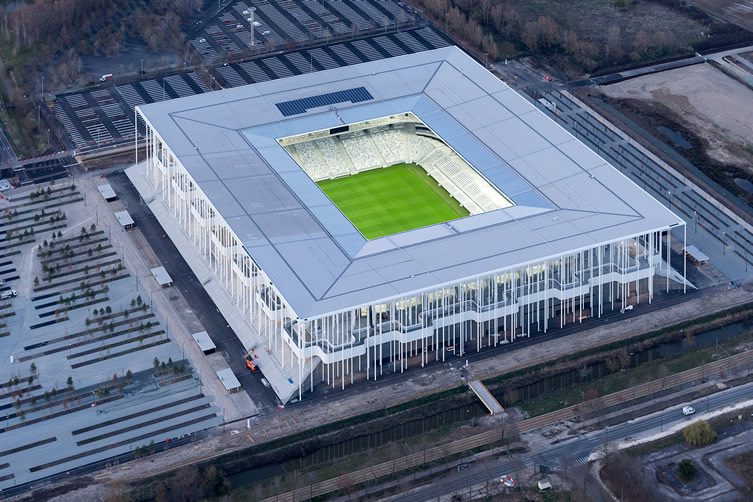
x,y
508,481
8,294
688,410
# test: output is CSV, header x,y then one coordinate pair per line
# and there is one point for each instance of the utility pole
x,y
39,105
251,22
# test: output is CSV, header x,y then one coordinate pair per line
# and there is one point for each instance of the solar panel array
x,y
302,105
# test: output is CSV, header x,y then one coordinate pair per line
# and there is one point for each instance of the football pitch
x,y
393,199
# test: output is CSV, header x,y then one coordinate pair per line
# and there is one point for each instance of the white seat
x,y
338,156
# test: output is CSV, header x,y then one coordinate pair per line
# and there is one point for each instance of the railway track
x,y
490,437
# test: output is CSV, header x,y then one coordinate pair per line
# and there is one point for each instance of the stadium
x,y
372,218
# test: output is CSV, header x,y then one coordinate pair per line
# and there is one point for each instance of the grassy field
x,y
393,199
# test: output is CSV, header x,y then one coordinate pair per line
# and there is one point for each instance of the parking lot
x,y
329,56
103,116
289,23
96,360
712,229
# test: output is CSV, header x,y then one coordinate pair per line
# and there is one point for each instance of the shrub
x,y
699,433
686,469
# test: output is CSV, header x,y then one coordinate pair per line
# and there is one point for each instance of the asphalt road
x,y
7,154
576,451
202,305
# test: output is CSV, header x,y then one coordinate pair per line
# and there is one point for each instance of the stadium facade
x,y
554,234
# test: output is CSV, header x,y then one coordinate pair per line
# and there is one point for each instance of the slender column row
x,y
393,334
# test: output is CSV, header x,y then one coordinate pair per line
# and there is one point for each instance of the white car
x,y
8,294
688,410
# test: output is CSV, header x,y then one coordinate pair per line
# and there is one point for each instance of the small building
x,y
229,380
107,192
125,219
205,343
695,255
544,484
162,277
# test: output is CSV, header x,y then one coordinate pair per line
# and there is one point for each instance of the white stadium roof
x,y
566,196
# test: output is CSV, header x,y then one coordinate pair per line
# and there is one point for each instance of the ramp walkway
x,y
486,397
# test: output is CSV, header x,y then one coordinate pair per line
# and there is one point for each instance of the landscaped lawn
x,y
393,199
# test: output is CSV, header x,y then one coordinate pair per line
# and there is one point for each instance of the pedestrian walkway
x,y
283,378
139,258
486,397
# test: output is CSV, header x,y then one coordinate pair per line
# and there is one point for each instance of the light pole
x,y
468,481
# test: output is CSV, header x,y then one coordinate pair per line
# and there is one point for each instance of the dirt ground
x,y
743,466
739,12
718,108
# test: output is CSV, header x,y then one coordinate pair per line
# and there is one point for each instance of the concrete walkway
x,y
282,376
139,259
486,397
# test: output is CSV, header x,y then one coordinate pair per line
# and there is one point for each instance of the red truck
x,y
250,364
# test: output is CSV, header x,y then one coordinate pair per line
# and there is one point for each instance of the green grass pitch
x,y
393,199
